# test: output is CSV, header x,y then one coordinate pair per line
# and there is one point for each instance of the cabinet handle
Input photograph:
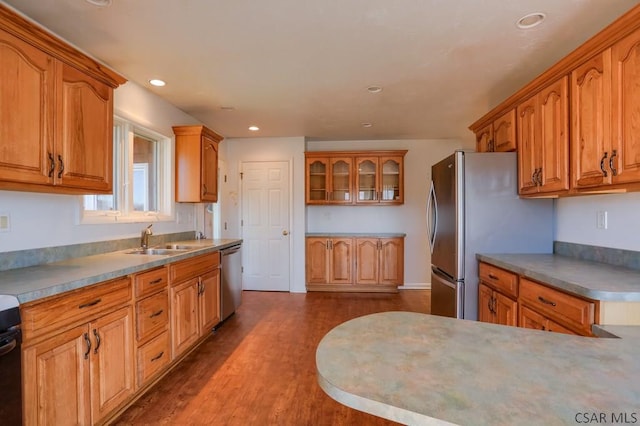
x,y
157,357
89,304
156,281
489,305
52,164
327,244
88,342
538,181
604,157
204,188
97,336
546,302
492,276
155,314
61,168
614,171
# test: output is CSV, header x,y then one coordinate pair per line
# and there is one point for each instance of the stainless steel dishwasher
x,y
231,280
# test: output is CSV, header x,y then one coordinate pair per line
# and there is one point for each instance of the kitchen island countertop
x,y
37,282
422,369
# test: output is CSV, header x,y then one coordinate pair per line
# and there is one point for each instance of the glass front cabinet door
x,y
317,180
340,182
391,188
367,180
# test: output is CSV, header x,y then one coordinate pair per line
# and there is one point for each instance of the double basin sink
x,y
165,250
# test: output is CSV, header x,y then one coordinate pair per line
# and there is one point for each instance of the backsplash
x,y
612,256
39,256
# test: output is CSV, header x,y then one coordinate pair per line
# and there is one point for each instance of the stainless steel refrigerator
x,y
473,207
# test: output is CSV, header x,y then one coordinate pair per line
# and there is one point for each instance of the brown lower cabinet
x,y
90,352
509,299
367,264
84,369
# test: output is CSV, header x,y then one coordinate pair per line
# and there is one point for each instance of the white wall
x,y
408,218
576,220
47,220
235,151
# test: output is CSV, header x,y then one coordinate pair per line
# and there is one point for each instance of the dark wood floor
x,y
259,367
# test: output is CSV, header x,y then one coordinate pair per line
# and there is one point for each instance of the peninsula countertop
x,y
37,282
421,369
593,280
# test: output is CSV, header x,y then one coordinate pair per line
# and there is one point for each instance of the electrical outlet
x,y
601,219
5,222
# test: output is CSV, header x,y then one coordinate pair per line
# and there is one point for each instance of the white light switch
x,y
5,222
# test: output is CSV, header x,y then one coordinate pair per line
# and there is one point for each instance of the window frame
x,y
123,136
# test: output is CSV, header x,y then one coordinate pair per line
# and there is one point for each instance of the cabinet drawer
x,y
567,310
77,306
149,282
499,279
193,267
152,357
152,314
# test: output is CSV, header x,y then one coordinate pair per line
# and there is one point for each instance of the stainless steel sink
x,y
179,247
157,251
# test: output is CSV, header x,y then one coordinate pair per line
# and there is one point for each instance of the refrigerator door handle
x,y
432,211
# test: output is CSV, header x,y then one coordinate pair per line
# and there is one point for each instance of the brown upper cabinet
x,y
355,177
56,113
543,139
499,135
590,98
196,164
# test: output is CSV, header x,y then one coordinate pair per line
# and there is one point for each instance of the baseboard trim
x,y
415,286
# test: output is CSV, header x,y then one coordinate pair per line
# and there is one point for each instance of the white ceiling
x,y
302,67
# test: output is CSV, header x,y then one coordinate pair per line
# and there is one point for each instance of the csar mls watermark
x,y
597,417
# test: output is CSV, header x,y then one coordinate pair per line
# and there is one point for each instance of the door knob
x,y
285,232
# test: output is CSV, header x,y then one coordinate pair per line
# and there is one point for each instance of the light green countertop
x,y
421,369
37,282
593,280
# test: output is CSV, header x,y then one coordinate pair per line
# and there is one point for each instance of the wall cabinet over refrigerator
x,y
355,177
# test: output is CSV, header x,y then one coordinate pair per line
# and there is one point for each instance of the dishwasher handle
x,y
230,251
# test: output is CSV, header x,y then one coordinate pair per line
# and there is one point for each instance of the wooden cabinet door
x,y
209,186
184,316
26,112
625,151
317,182
209,301
504,132
391,180
591,121
506,309
554,137
84,143
340,180
367,256
112,362
317,260
341,261
529,152
56,380
367,175
391,261
484,139
485,303
531,319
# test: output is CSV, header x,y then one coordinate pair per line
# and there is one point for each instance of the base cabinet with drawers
x,y
195,300
78,355
366,264
509,299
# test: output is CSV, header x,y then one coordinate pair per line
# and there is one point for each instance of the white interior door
x,y
265,225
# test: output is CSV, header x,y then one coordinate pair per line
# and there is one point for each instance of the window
x,y
141,181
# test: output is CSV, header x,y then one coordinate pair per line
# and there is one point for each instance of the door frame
x,y
290,162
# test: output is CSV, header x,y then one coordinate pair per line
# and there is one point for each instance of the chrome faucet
x,y
144,237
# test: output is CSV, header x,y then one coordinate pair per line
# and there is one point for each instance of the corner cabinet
x,y
355,177
354,263
56,113
196,164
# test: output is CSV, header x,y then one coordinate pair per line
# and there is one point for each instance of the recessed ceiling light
x,y
100,3
156,82
531,20
367,125
374,89
254,128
